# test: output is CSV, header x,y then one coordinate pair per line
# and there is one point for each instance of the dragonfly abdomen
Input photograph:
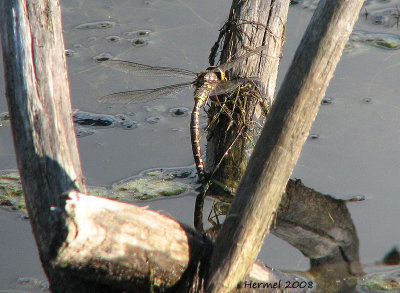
x,y
200,98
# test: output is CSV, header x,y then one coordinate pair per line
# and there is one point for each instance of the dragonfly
x,y
208,83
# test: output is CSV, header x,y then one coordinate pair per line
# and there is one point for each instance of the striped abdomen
x,y
200,97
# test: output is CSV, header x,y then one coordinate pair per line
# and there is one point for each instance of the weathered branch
x,y
279,146
40,109
131,248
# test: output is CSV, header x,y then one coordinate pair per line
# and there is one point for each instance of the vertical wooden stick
x,y
280,144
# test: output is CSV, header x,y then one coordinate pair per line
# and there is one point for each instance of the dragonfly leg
x,y
241,120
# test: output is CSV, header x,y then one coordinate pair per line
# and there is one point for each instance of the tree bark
x,y
259,193
40,109
251,24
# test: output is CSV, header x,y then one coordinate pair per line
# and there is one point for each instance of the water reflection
x,y
319,226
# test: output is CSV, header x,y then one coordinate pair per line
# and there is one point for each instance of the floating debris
x,y
379,40
70,53
327,101
114,39
102,57
179,112
148,184
387,16
380,282
83,132
11,193
181,173
139,33
89,119
122,117
354,47
96,25
4,119
129,125
33,283
139,42
314,136
103,121
152,184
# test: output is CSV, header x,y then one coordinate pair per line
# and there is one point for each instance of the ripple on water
x,y
114,39
87,119
314,136
179,112
366,101
327,101
139,42
103,57
139,33
83,132
129,125
153,120
96,25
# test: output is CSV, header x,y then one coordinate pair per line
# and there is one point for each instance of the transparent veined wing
x,y
142,96
227,86
147,70
228,65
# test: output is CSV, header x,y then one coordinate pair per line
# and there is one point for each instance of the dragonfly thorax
x,y
206,77
211,77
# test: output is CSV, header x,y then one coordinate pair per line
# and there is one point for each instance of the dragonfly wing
x,y
228,65
226,86
147,70
142,96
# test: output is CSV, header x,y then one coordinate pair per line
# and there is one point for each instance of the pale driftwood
x,y
251,24
259,193
128,247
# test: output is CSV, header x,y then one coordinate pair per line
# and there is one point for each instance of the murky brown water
x,y
356,152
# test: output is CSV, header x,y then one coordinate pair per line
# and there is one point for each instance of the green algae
x,y
381,282
151,185
11,193
147,185
379,40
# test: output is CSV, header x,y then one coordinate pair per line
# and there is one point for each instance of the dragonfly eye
x,y
212,77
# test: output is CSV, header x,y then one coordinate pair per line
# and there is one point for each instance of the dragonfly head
x,y
216,70
211,77
206,77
